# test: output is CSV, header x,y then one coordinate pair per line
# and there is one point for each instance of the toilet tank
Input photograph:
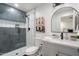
x,y
37,41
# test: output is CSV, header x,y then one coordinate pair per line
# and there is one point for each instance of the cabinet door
x,y
68,51
49,49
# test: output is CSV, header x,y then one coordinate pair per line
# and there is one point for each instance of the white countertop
x,y
73,44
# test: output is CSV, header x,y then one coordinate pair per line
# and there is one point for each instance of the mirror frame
x,y
60,7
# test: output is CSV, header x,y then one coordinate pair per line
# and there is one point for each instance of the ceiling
x,y
26,6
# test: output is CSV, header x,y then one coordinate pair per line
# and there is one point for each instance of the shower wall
x,y
31,24
10,13
12,29
11,40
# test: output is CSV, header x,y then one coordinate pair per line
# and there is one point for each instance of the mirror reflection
x,y
65,20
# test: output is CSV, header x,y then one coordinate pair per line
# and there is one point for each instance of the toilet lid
x,y
31,50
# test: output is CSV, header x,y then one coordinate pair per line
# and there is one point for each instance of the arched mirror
x,y
65,19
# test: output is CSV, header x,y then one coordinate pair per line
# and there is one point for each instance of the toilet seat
x,y
32,50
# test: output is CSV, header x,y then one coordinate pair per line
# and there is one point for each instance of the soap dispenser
x,y
61,35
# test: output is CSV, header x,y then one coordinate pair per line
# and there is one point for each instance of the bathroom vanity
x,y
57,47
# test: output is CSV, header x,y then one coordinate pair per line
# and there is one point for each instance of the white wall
x,y
30,35
45,11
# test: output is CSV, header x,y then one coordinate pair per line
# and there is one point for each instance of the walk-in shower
x,y
12,28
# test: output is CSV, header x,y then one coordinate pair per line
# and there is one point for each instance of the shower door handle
x,y
29,29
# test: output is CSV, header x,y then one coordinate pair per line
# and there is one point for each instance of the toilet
x,y
30,51
34,50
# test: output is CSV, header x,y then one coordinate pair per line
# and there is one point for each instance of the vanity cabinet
x,y
51,49
67,51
